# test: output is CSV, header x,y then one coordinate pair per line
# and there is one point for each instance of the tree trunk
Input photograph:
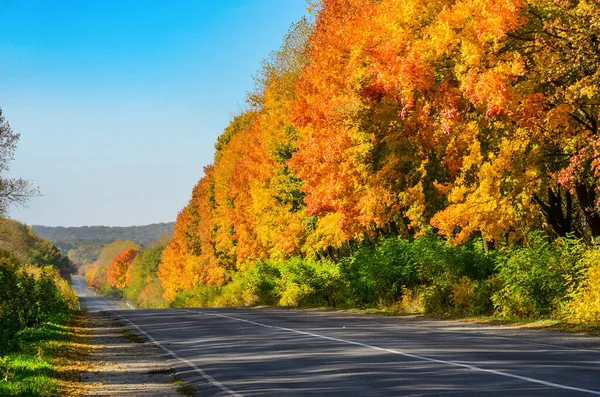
x,y
561,222
587,199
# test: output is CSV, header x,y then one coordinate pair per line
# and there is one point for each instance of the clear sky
x,y
119,103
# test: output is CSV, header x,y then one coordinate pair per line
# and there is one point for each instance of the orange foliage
x,y
117,271
395,116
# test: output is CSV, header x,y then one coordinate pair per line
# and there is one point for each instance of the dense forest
x,y
83,244
436,156
140,234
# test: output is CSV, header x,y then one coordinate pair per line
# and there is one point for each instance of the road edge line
x,y
199,370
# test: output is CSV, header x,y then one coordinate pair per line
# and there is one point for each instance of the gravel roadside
x,y
122,363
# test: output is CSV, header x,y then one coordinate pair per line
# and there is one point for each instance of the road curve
x,y
268,352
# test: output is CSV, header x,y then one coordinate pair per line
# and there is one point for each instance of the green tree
x,y
143,273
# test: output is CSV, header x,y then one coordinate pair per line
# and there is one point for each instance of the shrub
x,y
253,286
307,282
463,293
200,296
411,301
376,274
29,296
437,298
584,299
481,302
438,262
535,277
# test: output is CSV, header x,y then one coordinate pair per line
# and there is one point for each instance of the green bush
x,y
482,302
308,282
378,274
291,282
200,296
253,286
535,277
440,263
29,296
375,274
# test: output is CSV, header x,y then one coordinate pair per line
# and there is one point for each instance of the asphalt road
x,y
266,352
90,301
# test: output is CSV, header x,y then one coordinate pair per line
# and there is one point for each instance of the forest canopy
x,y
443,152
383,117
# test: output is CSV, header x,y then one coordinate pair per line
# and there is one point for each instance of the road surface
x,y
89,300
266,352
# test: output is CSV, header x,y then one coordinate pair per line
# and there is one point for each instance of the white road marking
x,y
240,319
206,376
481,334
401,353
469,332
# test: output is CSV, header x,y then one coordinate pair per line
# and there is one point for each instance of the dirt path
x,y
123,364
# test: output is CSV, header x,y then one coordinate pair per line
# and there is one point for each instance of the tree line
x,y
443,153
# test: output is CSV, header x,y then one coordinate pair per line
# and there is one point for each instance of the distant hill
x,y
83,244
140,234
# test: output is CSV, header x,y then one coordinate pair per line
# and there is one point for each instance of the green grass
x,y
132,336
28,370
184,389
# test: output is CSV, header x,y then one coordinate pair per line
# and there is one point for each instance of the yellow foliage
x,y
62,285
463,292
411,301
292,295
584,306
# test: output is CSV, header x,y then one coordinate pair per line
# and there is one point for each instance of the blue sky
x,y
119,103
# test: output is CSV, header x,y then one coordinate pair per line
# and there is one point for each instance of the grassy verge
x,y
47,359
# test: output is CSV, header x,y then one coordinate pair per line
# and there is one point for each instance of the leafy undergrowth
x,y
47,360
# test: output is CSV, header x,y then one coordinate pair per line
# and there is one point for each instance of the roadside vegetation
x,y
36,300
36,304
426,275
439,158
542,280
124,270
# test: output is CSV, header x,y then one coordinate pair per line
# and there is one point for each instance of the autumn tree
x,y
532,79
116,273
277,198
190,258
96,274
467,118
142,273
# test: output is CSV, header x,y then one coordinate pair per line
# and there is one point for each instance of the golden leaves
x,y
457,114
